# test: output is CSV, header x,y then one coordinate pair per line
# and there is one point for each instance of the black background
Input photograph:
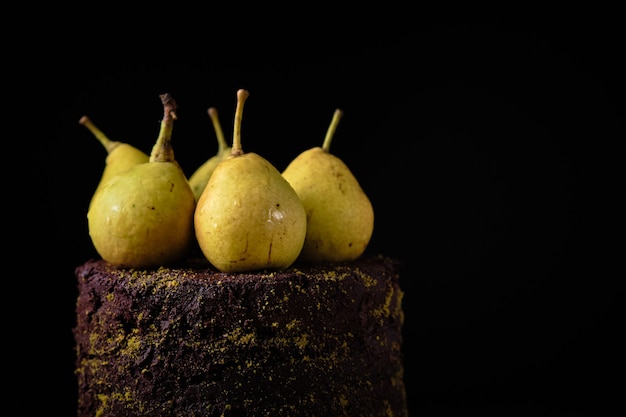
x,y
489,150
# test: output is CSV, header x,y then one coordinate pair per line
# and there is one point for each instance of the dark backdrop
x,y
489,150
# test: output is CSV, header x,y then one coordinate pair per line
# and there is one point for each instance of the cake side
x,y
190,341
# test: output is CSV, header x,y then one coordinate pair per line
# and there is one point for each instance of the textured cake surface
x,y
191,341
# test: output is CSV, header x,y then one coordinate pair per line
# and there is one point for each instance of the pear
x,y
143,217
248,217
120,155
201,175
340,216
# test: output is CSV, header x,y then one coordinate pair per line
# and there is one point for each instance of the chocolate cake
x,y
188,341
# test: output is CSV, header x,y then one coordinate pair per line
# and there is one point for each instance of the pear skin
x,y
143,217
121,156
340,216
248,217
201,175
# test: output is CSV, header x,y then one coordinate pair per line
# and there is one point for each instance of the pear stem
x,y
162,150
221,141
108,144
331,130
237,150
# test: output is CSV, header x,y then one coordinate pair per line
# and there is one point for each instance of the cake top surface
x,y
193,269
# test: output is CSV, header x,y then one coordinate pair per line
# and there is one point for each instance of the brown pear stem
x,y
108,144
237,150
221,141
331,130
162,150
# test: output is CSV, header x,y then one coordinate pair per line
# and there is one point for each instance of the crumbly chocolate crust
x,y
191,341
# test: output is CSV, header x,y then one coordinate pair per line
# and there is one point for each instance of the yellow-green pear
x,y
248,217
340,216
143,218
120,155
201,176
